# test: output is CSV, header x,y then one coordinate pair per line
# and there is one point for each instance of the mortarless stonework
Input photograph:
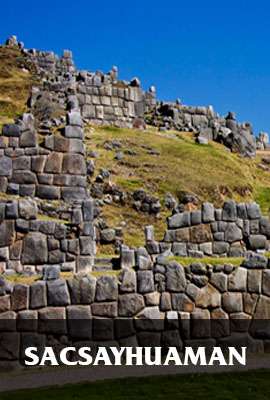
x,y
230,231
166,305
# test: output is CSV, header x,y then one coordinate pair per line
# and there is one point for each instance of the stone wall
x,y
29,242
164,305
102,98
231,231
50,167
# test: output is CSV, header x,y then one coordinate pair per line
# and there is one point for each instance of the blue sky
x,y
203,52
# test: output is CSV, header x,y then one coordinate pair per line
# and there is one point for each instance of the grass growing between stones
x,y
133,223
225,386
186,261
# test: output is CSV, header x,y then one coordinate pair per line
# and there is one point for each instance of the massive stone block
x,y
74,164
7,233
5,166
130,304
200,234
54,163
35,249
175,277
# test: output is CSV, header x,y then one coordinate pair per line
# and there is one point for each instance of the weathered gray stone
x,y
179,249
79,322
208,296
7,233
196,217
51,272
242,211
38,295
5,166
208,212
58,294
254,281
152,299
127,258
54,163
253,210
206,248
238,280
20,297
107,235
220,247
233,233
180,220
175,277
11,130
200,234
35,249
229,211
255,261
108,309
128,281
219,280
250,302
28,209
232,302
265,227
82,289
74,164
106,288
266,282
130,304
257,242
181,302
28,139
262,308
74,118
165,301
75,132
48,192
4,303
145,281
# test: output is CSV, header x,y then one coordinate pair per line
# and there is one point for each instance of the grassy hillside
x,y
15,83
178,164
157,162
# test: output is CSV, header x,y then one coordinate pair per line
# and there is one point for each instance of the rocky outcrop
x,y
206,124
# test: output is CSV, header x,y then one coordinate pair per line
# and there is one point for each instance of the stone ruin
x,y
206,124
43,162
104,99
232,231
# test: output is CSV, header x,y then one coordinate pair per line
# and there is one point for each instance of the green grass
x,y
15,83
211,172
224,386
263,198
186,261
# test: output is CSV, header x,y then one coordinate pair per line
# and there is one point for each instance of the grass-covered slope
x,y
179,164
16,78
